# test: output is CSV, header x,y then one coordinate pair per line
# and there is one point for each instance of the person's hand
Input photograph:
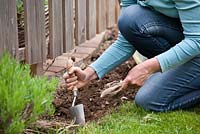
x,y
140,73
78,77
75,77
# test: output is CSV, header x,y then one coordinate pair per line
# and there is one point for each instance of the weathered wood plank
x,y
80,17
8,26
37,69
34,31
68,21
56,28
117,11
91,18
110,13
101,15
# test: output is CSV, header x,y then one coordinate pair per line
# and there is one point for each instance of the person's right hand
x,y
75,77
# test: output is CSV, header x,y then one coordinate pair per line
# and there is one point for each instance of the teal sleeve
x,y
190,47
116,54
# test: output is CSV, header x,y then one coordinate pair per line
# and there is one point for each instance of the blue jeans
x,y
152,33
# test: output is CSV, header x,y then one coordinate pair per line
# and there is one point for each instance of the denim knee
x,y
128,21
147,101
142,101
123,24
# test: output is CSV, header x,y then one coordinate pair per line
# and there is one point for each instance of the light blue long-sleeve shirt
x,y
189,13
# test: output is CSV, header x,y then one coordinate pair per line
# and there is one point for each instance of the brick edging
x,y
82,53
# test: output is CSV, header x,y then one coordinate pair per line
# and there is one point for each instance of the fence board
x,y
110,13
56,28
101,15
80,17
117,11
8,26
34,31
68,20
91,18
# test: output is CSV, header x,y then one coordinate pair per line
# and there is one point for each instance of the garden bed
x,y
95,106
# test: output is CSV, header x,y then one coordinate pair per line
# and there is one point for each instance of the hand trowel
x,y
77,111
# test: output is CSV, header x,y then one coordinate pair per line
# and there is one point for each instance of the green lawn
x,y
130,119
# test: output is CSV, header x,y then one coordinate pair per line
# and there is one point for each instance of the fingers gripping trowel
x,y
77,111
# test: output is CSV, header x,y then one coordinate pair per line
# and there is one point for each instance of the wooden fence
x,y
70,23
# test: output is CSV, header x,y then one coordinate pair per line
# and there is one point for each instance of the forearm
x,y
115,55
180,54
190,46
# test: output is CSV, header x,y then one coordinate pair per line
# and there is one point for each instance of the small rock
x,y
92,113
115,104
103,106
90,99
107,103
124,98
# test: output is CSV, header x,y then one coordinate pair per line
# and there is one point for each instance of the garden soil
x,y
95,106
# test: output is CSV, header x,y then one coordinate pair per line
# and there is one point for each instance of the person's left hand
x,y
140,73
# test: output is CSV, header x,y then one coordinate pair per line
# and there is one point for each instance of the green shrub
x,y
22,98
20,6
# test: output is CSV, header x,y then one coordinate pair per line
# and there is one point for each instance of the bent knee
x,y
123,23
128,20
141,101
148,102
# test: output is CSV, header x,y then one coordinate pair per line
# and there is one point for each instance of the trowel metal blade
x,y
78,113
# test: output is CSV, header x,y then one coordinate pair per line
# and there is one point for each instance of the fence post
x,y
80,21
101,15
56,28
68,25
8,25
35,34
110,13
91,18
117,11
